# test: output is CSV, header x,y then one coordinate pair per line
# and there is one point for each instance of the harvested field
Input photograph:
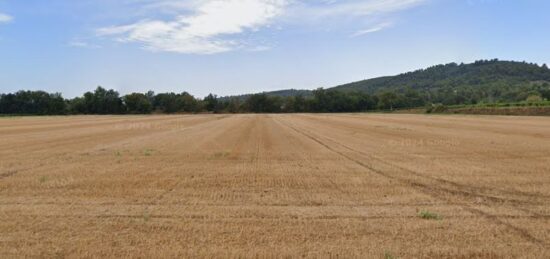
x,y
344,186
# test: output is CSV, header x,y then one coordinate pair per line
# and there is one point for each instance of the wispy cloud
x,y
359,7
215,26
4,18
259,48
373,29
80,43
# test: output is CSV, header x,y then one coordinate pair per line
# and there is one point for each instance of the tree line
x,y
482,82
103,101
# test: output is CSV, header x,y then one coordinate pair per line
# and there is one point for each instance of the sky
x,y
230,47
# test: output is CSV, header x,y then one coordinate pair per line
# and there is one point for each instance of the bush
x,y
437,108
534,99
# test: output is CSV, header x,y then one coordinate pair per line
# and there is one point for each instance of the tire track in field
x,y
464,188
8,174
432,191
251,217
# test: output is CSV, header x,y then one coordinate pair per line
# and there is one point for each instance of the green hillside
x,y
482,81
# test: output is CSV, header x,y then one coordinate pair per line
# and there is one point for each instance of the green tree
x,y
167,102
387,100
137,103
102,101
211,103
33,102
233,105
188,103
262,103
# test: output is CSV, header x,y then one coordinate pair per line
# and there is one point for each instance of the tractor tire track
x,y
8,174
475,191
432,191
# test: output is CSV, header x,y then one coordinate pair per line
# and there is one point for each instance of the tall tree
x,y
211,103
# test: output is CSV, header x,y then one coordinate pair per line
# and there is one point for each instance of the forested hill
x,y
486,81
486,74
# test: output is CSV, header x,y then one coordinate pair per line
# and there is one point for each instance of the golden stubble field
x,y
340,186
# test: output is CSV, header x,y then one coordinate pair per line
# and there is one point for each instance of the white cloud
x,y
373,29
79,43
214,26
4,18
360,7
203,31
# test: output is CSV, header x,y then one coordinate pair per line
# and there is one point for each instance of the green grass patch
x,y
146,216
428,215
388,255
148,152
43,179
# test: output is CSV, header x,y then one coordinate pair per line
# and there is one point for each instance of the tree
x,y
150,96
413,98
365,102
188,103
33,102
387,100
108,101
545,92
101,101
320,102
211,103
233,105
77,106
166,102
300,104
137,103
262,103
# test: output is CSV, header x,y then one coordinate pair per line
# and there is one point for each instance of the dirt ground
x,y
339,186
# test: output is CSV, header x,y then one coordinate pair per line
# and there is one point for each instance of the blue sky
x,y
243,46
